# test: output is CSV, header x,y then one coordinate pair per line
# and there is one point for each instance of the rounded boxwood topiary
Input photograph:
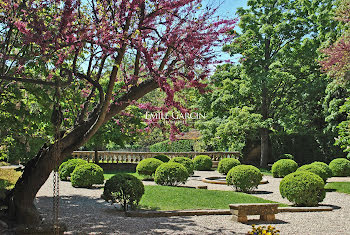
x,y
286,156
316,169
186,162
340,167
226,164
171,174
86,175
163,158
303,188
328,170
124,189
148,166
244,177
66,168
202,163
283,167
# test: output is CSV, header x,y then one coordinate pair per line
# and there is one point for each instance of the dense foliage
x,y
340,167
303,188
124,189
172,146
226,164
86,175
326,168
202,163
171,174
66,168
316,169
244,177
148,166
163,158
186,162
272,99
283,167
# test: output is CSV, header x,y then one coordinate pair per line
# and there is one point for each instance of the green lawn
x,y
109,174
8,178
341,187
179,198
265,171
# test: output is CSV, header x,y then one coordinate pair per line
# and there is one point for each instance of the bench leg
x,y
241,218
270,217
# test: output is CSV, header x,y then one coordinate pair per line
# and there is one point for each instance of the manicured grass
x,y
8,178
109,174
180,198
265,171
341,187
4,163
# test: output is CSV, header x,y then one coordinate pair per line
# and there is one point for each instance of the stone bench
x,y
266,211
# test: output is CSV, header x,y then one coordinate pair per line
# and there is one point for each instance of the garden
x,y
174,117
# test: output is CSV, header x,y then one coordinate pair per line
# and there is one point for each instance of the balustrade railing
x,y
130,157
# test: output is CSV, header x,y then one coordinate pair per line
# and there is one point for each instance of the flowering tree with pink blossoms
x,y
337,61
113,52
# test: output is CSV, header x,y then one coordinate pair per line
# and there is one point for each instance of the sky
x,y
227,10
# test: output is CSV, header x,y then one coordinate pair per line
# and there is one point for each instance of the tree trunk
x,y
264,132
264,138
20,201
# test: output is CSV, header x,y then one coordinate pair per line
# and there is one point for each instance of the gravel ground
x,y
84,212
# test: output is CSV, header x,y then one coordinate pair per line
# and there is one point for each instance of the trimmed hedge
x,y
171,174
66,168
328,170
86,175
340,167
172,146
148,166
163,158
283,167
316,169
186,162
202,163
226,164
244,177
124,189
303,188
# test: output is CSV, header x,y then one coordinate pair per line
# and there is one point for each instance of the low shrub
x,y
86,175
202,163
171,174
283,167
303,188
148,166
286,156
186,162
340,167
124,189
244,177
226,164
316,169
163,158
66,168
328,170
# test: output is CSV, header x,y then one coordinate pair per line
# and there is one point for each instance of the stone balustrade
x,y
125,157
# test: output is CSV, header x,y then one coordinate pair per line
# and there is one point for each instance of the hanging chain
x,y
56,120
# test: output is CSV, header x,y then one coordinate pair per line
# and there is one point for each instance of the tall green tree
x,y
278,45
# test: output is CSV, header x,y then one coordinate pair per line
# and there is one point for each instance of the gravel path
x,y
84,212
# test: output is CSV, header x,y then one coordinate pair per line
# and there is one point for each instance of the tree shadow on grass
x,y
83,214
260,192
